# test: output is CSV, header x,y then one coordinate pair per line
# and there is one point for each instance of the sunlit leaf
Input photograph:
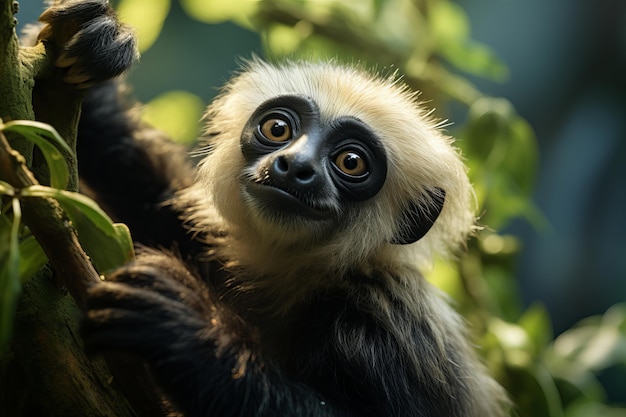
x,y
514,341
96,232
100,219
124,240
177,113
550,391
6,189
146,18
448,21
377,6
218,11
282,40
51,145
536,322
597,342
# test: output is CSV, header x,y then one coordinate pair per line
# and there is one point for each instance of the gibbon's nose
x,y
293,169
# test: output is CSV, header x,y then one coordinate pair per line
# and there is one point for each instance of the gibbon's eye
x,y
276,129
352,164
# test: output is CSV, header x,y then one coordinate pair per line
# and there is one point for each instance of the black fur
x,y
132,169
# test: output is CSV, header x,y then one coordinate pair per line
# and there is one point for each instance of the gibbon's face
x,y
304,169
330,156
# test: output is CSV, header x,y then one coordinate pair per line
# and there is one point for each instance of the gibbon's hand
x,y
88,41
149,308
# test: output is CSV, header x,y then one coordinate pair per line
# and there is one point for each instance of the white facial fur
x,y
419,158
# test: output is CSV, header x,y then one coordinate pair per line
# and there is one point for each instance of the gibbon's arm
x,y
131,169
204,356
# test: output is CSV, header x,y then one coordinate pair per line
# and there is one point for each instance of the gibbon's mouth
x,y
278,200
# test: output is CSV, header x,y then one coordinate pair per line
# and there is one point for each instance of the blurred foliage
x,y
176,113
147,21
428,42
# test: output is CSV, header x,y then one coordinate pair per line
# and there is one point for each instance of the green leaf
x,y
534,392
474,58
536,322
105,243
575,384
282,40
175,113
448,21
596,343
9,274
146,18
503,158
32,258
51,145
219,11
450,29
125,240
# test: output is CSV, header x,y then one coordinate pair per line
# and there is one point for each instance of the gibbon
x,y
281,277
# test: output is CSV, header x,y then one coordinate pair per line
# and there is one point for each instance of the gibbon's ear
x,y
417,219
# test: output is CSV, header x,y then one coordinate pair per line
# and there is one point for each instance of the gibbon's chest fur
x,y
298,287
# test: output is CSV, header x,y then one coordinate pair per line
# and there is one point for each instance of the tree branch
x,y
46,364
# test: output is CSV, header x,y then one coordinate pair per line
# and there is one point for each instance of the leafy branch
x,y
44,211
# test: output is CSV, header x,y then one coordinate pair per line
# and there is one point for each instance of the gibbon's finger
x,y
135,275
138,332
118,329
76,11
119,295
167,282
64,19
168,266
